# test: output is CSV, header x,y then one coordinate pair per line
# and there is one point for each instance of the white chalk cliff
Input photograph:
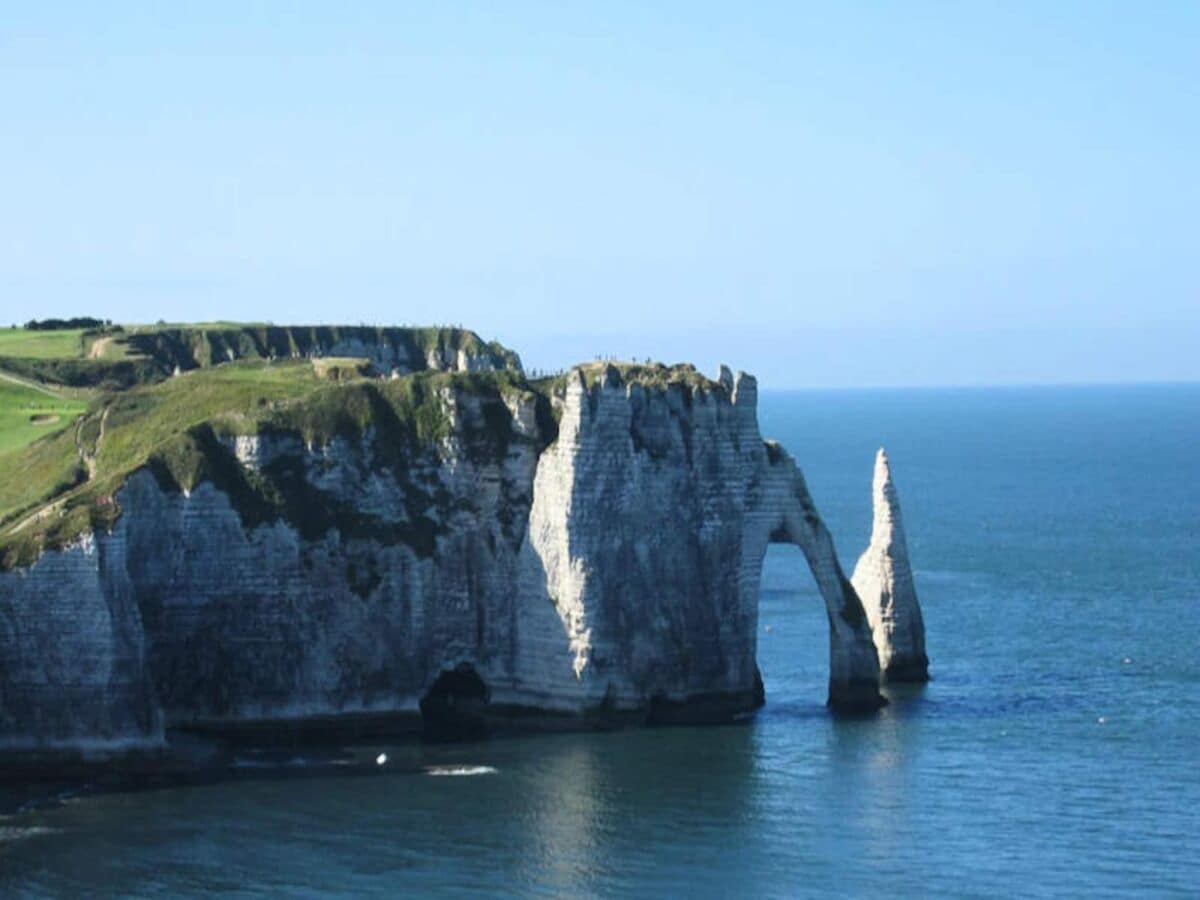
x,y
883,581
602,566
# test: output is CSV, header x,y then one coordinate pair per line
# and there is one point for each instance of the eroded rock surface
x,y
883,580
601,562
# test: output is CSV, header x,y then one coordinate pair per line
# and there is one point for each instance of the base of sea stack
x,y
914,670
855,697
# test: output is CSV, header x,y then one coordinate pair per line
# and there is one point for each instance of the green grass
x,y
650,375
137,416
41,344
237,396
174,428
104,374
119,357
141,424
37,472
27,414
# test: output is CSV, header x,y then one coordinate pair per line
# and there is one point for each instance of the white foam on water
x,y
459,770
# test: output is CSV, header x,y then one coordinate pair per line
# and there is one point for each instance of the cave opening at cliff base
x,y
455,706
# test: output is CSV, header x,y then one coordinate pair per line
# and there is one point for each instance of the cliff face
x,y
122,359
401,350
606,566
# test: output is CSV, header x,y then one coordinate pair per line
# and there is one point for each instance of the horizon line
x,y
967,386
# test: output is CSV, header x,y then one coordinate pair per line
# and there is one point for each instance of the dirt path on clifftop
x,y
89,461
99,347
89,458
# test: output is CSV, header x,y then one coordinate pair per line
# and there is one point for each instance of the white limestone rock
x,y
884,582
606,566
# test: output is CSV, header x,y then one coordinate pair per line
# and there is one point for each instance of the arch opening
x,y
793,628
853,664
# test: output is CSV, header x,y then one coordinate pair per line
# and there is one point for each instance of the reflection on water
x,y
594,799
562,815
567,812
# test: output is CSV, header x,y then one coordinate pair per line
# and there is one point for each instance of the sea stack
x,y
883,581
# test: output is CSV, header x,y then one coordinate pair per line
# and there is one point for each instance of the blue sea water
x,y
1055,534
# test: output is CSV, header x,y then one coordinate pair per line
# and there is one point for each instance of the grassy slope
x,y
25,344
21,405
40,470
141,420
138,421
172,426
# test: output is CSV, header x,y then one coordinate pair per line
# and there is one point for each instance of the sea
x,y
1055,536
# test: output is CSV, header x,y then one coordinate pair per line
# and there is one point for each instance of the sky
x,y
827,195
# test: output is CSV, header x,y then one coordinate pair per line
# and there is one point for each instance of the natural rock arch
x,y
670,495
784,513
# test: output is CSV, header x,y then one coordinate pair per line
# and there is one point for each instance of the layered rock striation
x,y
586,552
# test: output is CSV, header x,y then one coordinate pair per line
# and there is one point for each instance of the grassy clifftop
x,y
65,452
24,343
28,412
193,347
119,357
81,409
56,488
652,375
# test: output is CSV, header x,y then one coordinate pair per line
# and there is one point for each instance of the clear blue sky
x,y
841,194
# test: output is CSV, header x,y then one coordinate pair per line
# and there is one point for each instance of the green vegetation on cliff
x,y
41,344
648,374
62,481
121,356
115,357
54,488
191,347
103,374
28,412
